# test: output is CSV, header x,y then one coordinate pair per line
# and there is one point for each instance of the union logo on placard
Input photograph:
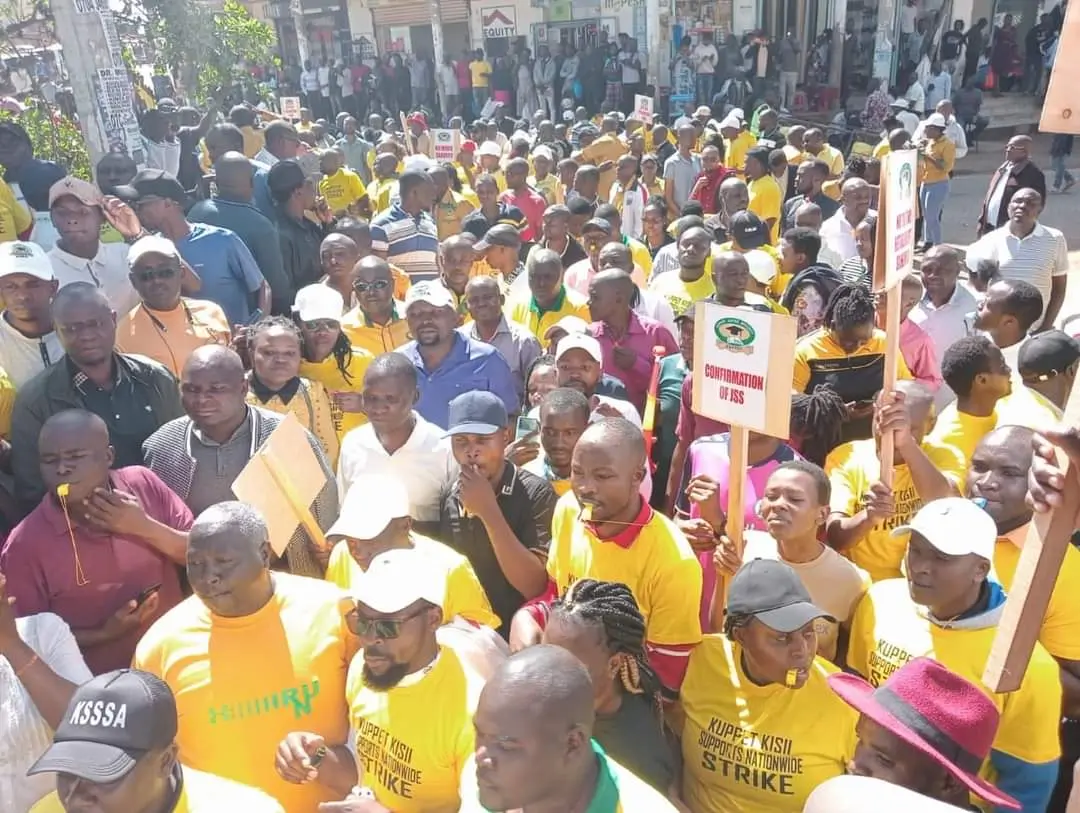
x,y
734,335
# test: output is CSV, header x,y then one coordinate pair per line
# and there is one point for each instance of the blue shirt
x,y
411,243
228,272
470,365
263,200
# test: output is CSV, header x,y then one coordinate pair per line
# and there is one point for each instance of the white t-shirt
x,y
22,358
324,80
163,155
108,270
345,80
309,81
704,58
907,18
26,734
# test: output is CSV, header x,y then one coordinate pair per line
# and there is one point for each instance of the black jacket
x,y
1029,176
300,241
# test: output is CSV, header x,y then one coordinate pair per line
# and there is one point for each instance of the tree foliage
x,y
207,49
55,138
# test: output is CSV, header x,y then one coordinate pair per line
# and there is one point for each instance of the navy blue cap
x,y
477,413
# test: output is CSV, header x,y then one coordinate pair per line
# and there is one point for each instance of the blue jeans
x,y
932,199
704,88
480,97
1062,176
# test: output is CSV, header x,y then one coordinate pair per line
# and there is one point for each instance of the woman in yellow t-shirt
x,y
762,728
275,344
937,157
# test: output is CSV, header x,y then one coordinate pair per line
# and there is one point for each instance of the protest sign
x,y
643,108
290,107
445,144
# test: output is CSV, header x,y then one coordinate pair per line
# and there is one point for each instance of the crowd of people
x,y
518,591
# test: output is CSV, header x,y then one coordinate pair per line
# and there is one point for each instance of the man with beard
x,y
411,701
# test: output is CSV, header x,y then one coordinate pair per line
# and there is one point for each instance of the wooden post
x,y
1047,539
1061,108
738,446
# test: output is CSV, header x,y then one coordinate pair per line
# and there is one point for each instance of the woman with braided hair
x,y
600,623
847,353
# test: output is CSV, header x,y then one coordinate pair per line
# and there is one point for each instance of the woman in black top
x,y
600,623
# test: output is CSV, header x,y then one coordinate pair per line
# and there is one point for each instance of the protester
x,y
515,342
1016,173
1047,364
377,323
299,238
546,300
838,231
406,234
28,340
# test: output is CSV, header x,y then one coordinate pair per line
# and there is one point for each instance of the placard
x,y
900,172
643,107
744,363
445,144
290,107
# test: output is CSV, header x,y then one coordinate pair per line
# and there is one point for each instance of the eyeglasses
x,y
156,273
377,285
317,325
75,328
384,629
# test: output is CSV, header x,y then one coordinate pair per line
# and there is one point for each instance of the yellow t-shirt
x,y
381,192
242,684
881,149
833,157
376,339
888,630
464,594
342,190
1060,631
606,148
735,150
794,155
450,212
678,292
7,403
480,70
819,351
200,793
14,217
852,468
940,150
413,740
329,375
961,430
758,749
766,199
639,253
658,566
550,188
524,311
315,409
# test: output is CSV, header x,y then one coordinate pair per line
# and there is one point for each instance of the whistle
x,y
791,678
586,512
63,490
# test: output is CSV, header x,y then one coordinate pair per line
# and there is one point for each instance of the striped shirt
x,y
1036,259
411,243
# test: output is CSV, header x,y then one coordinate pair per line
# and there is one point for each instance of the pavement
x,y
1062,211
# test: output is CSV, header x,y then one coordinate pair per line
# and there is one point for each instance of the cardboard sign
x,y
900,174
643,107
1058,115
282,480
445,144
498,22
744,362
290,107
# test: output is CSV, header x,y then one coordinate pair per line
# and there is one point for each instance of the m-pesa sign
x,y
498,21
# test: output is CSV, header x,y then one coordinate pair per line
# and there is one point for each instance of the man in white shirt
x,y
309,85
78,212
544,80
908,120
704,58
1026,250
398,441
345,86
28,342
838,232
162,148
324,111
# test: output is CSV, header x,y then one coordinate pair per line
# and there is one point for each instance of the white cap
x,y
902,103
151,244
580,341
762,265
704,110
955,526
370,504
848,793
543,152
318,301
489,148
18,257
418,163
738,113
731,121
399,578
936,120
434,293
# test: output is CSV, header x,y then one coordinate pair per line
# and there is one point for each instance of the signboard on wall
x,y
498,21
399,39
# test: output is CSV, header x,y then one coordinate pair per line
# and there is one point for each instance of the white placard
x,y
643,107
444,144
901,174
290,107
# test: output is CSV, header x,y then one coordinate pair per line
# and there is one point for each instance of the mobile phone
x,y
140,599
256,316
526,426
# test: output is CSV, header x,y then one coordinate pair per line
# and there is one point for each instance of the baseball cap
x,y
434,293
580,341
955,526
1045,355
167,105
19,257
748,230
704,110
417,118
318,301
489,148
501,234
477,413
731,121
151,244
370,504
111,721
285,177
83,191
936,120
152,183
468,145
774,594
399,578
901,103
568,324
762,265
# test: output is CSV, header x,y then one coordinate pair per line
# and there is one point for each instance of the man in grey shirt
x,y
681,171
356,150
789,70
515,342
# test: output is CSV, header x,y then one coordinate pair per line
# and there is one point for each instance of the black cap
x,y
152,183
774,594
501,234
284,178
477,413
748,230
111,721
1047,354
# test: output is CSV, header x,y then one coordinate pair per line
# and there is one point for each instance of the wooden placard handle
x,y
738,449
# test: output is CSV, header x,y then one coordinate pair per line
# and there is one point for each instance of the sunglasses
x,y
156,273
384,629
377,285
317,325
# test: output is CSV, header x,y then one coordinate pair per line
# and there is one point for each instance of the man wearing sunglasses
x,y
377,323
410,700
166,326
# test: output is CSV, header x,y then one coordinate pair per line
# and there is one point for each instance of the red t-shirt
x,y
464,75
39,562
532,204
